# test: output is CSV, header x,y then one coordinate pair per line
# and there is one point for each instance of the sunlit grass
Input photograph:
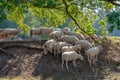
x,y
21,78
114,39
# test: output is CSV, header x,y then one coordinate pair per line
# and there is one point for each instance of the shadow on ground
x,y
47,67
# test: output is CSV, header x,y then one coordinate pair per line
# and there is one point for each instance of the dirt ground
x,y
31,64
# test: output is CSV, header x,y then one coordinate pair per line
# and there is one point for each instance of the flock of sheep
x,y
66,43
70,45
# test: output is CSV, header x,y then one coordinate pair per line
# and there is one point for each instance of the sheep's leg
x,y
90,62
96,58
79,52
51,50
45,51
67,65
88,57
74,63
57,55
54,51
57,52
62,63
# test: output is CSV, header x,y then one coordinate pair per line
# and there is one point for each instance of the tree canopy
x,y
53,13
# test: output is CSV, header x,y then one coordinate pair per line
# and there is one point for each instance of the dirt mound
x,y
31,62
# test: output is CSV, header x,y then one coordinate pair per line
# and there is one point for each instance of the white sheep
x,y
92,54
56,35
76,48
84,44
69,39
79,36
58,46
40,31
35,31
48,46
65,29
70,56
46,31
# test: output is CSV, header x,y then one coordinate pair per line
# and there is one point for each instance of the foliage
x,y
51,13
114,19
2,11
103,30
8,24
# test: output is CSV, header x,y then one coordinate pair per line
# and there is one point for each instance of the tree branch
x,y
66,8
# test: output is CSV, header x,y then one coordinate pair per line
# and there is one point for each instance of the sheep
x,y
70,39
84,44
70,56
76,48
48,46
58,46
90,39
65,29
92,54
40,31
8,32
35,31
47,31
75,29
56,35
3,36
79,36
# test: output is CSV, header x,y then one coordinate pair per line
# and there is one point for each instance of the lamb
x,y
76,48
70,56
92,54
56,35
58,46
84,44
69,39
79,36
48,46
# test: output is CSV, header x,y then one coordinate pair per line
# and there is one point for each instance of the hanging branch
x,y
66,8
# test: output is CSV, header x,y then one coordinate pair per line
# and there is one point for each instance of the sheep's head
x,y
77,47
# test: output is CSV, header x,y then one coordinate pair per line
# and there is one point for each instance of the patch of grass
x,y
114,39
21,78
